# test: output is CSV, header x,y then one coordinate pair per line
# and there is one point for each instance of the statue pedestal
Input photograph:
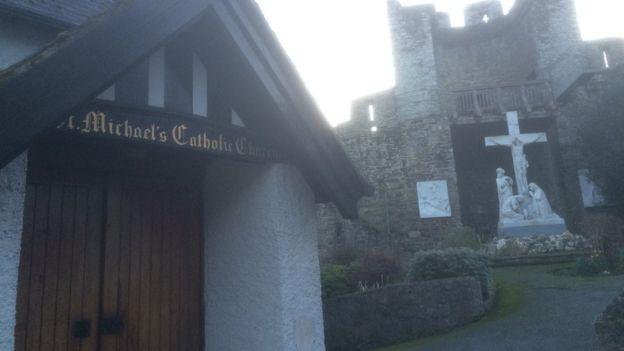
x,y
536,227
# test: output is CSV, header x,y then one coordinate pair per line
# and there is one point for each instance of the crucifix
x,y
516,141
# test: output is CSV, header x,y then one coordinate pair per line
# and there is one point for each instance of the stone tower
x,y
417,91
483,11
453,88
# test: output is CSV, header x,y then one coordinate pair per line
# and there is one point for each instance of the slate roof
x,y
60,12
29,108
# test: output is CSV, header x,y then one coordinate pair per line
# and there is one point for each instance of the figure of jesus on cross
x,y
516,141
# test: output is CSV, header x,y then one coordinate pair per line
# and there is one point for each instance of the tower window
x,y
371,112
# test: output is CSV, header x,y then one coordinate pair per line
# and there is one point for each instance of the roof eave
x,y
343,184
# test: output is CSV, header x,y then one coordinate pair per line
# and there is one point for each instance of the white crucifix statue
x,y
516,141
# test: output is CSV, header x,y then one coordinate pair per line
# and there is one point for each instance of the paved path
x,y
556,314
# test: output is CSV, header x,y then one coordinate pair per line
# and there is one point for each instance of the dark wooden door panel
x,y
59,264
152,273
114,258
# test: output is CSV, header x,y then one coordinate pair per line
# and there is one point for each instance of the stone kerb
x,y
398,313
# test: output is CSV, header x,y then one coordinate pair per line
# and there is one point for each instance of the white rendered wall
x,y
262,285
156,79
12,190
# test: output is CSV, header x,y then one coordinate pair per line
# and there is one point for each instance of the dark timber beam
x,y
39,95
43,93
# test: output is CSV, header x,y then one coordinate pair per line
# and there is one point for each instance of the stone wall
x,y
399,313
417,91
486,54
595,51
12,190
475,13
538,39
558,42
411,138
394,158
579,99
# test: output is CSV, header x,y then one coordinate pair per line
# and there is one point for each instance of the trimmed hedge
x,y
461,237
451,263
593,265
610,326
335,281
375,269
371,271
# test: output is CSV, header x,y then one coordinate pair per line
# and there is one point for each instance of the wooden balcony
x,y
527,96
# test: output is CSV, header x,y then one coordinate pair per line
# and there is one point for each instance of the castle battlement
x,y
483,12
454,87
536,40
443,70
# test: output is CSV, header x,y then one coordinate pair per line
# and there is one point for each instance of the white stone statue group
x,y
533,205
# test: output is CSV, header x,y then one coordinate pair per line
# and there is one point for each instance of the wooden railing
x,y
527,96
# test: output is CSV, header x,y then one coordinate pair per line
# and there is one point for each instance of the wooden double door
x,y
109,263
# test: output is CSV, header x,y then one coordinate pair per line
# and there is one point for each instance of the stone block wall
x,y
581,98
394,158
399,313
538,39
410,140
417,90
475,13
595,51
558,41
486,54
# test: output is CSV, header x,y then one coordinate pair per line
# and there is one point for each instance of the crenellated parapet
x,y
482,12
536,40
417,89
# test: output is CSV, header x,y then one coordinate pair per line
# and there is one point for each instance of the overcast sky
x,y
342,47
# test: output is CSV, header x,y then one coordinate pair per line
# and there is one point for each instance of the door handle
x,y
112,325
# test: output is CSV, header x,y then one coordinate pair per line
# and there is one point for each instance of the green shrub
x,y
458,237
619,263
375,269
335,281
594,265
606,234
610,326
451,263
343,255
